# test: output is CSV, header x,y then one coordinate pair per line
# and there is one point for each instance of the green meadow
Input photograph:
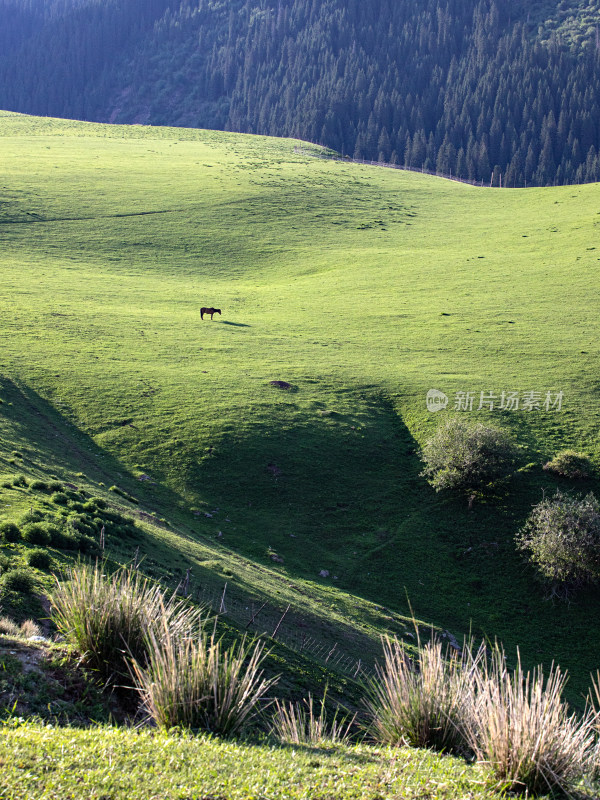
x,y
362,288
40,762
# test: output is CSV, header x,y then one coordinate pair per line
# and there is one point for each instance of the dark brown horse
x,y
210,311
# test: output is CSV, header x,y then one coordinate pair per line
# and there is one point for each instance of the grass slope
x,y
362,288
39,762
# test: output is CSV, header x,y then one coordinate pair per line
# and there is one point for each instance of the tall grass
x,y
109,619
298,723
195,682
594,705
515,721
524,729
425,702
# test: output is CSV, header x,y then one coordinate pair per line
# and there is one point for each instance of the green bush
x,y
33,515
4,563
467,456
65,539
60,539
39,559
123,494
10,532
98,502
55,486
17,580
83,524
87,545
561,537
569,464
39,486
36,533
20,480
60,498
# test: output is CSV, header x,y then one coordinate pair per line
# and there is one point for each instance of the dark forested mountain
x,y
492,90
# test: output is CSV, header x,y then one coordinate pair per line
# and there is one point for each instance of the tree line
x,y
464,87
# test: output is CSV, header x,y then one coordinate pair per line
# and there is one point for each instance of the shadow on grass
x,y
54,446
234,324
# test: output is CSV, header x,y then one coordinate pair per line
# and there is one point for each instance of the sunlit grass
x,y
362,288
39,762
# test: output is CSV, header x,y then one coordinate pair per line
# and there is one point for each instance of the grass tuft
x,y
194,682
524,730
111,619
298,723
427,702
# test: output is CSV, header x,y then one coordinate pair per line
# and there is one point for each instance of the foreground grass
x,y
45,762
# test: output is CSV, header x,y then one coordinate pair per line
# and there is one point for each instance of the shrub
x,y
569,464
425,703
19,480
55,486
197,683
64,539
17,580
39,486
466,456
98,502
123,494
4,562
60,498
83,524
86,545
10,532
33,515
562,539
108,619
524,730
39,559
296,723
36,533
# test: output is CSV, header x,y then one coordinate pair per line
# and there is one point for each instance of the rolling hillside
x,y
360,287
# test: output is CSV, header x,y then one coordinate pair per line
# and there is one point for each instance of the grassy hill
x,y
360,287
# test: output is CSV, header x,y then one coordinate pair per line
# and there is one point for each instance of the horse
x,y
210,311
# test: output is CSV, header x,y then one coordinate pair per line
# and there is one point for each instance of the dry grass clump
x,y
298,723
515,721
29,628
111,619
425,702
197,683
525,731
8,627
